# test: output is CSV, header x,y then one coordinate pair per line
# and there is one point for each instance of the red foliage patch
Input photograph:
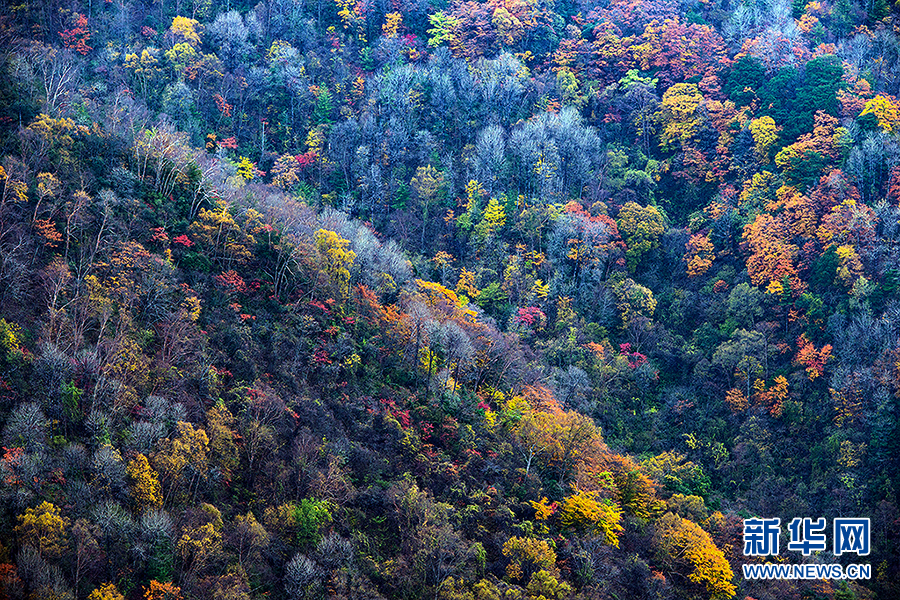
x,y
78,36
183,240
231,282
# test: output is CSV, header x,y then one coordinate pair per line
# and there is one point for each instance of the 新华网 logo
x,y
850,536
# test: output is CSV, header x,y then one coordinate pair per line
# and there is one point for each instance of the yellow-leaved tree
x,y
886,111
335,259
683,547
583,511
641,226
184,30
527,556
557,441
198,545
106,591
248,537
145,489
544,586
43,528
181,456
850,268
223,450
494,218
765,136
392,23
679,114
220,237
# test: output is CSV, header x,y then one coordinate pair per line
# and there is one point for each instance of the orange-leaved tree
x,y
700,255
811,359
162,591
773,256
106,591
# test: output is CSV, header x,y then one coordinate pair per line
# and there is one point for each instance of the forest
x,y
449,299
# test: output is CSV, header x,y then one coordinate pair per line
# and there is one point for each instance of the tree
x,y
27,427
201,540
850,268
683,546
284,172
145,488
162,591
811,359
544,585
57,72
765,137
248,537
700,255
183,30
633,300
428,539
472,203
86,551
199,545
677,474
745,78
222,447
220,235
744,305
490,156
813,154
773,257
145,69
109,471
680,51
392,23
454,589
442,27
11,585
679,115
428,184
335,259
78,35
527,556
822,78
641,227
180,456
43,528
231,36
303,578
311,516
582,511
745,355
559,441
771,399
107,591
886,110
177,99
182,57
493,219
